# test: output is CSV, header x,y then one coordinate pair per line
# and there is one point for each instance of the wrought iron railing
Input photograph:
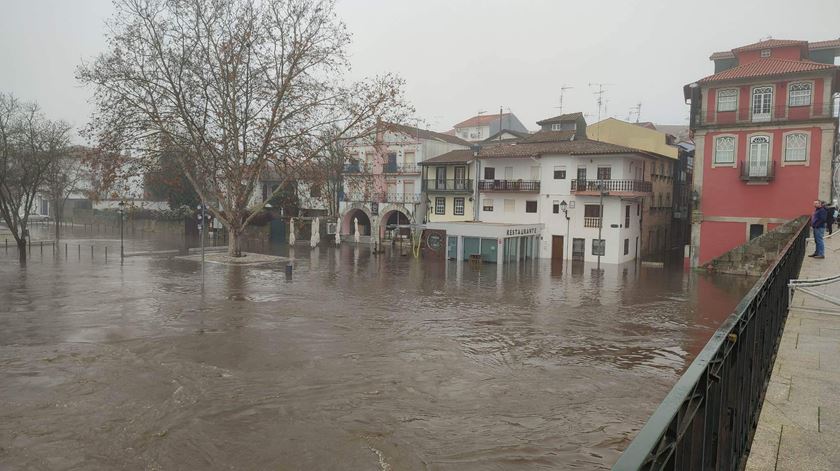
x,y
763,172
358,167
465,185
708,419
634,186
509,185
400,168
402,197
776,113
381,197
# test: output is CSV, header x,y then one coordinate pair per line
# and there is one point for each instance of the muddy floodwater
x,y
360,362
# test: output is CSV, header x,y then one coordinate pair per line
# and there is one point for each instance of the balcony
x,y
401,168
591,222
620,187
761,172
524,186
776,114
380,197
454,186
358,167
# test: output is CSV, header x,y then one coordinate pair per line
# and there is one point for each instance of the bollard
x,y
91,252
106,253
65,251
80,251
42,248
288,272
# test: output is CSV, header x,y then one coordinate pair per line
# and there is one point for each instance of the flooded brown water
x,y
361,362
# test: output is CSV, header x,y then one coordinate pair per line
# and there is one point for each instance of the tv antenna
x,y
600,96
635,111
563,89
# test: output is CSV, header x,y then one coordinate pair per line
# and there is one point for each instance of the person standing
x,y
818,221
830,216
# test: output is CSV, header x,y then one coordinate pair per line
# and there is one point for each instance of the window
x,y
409,159
627,217
489,173
800,94
725,150
559,173
315,190
591,211
796,147
626,246
761,103
604,173
556,127
555,207
535,172
765,53
727,100
508,173
759,162
459,206
530,206
598,247
487,205
510,206
581,173
440,205
668,200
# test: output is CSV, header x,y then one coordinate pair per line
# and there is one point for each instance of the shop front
x,y
491,242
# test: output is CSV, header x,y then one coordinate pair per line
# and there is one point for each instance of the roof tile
x,y
767,67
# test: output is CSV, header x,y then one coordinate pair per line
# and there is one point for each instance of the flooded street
x,y
361,362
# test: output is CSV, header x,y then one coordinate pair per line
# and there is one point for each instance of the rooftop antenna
x,y
600,100
637,111
563,89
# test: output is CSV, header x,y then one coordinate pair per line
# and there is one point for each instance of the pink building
x,y
765,126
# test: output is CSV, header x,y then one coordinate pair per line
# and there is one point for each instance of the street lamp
x,y
121,211
202,221
600,220
565,208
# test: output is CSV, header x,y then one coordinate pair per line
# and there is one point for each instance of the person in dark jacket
x,y
818,226
830,212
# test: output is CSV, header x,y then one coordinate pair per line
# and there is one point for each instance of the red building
x,y
765,128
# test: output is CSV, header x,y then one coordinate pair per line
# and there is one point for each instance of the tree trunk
x,y
235,242
21,243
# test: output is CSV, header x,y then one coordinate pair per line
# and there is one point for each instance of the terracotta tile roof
x,y
770,44
562,117
576,147
495,137
452,157
767,67
425,134
830,44
550,136
479,120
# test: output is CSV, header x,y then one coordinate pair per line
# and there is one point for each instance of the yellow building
x,y
449,186
660,169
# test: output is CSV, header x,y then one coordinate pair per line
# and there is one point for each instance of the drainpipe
x,y
476,193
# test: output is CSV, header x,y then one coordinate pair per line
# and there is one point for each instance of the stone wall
x,y
753,257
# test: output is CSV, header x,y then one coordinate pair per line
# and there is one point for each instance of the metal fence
x,y
708,419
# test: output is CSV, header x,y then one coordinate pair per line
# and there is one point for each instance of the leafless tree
x,y
61,180
30,145
237,86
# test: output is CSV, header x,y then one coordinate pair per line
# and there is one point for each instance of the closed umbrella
x,y
337,233
292,231
356,234
315,236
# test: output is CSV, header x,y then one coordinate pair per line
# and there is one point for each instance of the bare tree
x,y
61,180
30,145
237,86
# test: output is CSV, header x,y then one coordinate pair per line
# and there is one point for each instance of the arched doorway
x,y
389,225
347,226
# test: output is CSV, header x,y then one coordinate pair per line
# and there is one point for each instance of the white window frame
x,y
765,53
715,161
455,206
440,205
557,126
511,203
536,206
802,99
725,93
487,203
753,168
807,148
761,117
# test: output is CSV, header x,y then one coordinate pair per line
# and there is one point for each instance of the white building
x,y
382,180
483,126
525,186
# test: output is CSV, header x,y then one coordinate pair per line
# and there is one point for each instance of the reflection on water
x,y
359,362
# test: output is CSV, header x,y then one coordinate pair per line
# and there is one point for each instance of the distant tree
x,y
166,181
238,87
30,147
61,180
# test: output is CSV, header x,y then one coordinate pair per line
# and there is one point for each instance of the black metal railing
x,y
402,197
465,185
400,168
358,167
774,114
708,419
634,186
509,185
763,173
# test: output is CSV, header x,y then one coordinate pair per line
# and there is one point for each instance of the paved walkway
x,y
799,427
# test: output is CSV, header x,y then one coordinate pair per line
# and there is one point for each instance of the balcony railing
x,y
758,172
630,186
708,418
358,167
532,186
400,168
382,197
458,185
777,113
591,222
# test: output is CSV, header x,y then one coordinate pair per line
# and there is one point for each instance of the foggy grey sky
x,y
462,56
